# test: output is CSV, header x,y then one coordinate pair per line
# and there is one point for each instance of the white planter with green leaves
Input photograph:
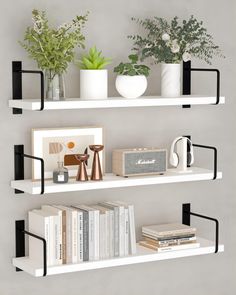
x,y
93,75
131,81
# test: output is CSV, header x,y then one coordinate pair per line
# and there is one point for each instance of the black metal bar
x,y
215,156
20,245
217,81
19,239
186,80
17,83
19,166
186,213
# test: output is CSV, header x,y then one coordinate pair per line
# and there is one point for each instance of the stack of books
x,y
169,237
82,233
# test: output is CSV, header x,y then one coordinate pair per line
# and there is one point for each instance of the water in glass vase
x,y
60,175
54,85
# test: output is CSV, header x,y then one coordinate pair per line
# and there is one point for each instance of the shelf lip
x,y
143,255
112,181
114,102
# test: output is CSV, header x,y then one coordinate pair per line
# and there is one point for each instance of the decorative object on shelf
x,y
96,173
139,161
171,43
53,49
131,81
60,175
183,156
62,144
93,75
82,171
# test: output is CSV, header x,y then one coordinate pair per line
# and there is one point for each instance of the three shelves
x,y
114,102
143,255
112,181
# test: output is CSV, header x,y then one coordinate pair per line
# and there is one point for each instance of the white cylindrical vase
x,y
170,80
131,86
93,84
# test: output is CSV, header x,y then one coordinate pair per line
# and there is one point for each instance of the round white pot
x,y
93,84
170,80
131,86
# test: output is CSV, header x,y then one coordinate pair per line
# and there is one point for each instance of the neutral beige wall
x,y
108,25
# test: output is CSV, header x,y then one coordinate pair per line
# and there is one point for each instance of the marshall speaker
x,y
134,162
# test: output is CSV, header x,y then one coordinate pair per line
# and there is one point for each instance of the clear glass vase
x,y
54,86
60,175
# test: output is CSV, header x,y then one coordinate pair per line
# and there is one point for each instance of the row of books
x,y
169,237
82,233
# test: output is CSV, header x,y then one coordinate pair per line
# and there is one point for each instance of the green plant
x,y
53,48
132,68
93,60
174,41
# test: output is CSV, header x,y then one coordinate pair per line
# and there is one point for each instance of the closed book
x,y
168,230
169,248
169,238
115,209
85,234
93,231
39,224
57,231
170,242
80,236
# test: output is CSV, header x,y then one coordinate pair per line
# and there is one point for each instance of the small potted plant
x,y
53,49
170,43
131,81
93,75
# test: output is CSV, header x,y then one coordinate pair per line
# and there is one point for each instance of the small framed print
x,y
61,145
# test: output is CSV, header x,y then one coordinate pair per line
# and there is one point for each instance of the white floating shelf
x,y
143,255
114,102
112,181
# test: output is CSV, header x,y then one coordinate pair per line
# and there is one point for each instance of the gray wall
x,y
108,25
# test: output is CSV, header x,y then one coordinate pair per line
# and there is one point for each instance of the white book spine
x,y
74,216
121,231
102,236
68,237
56,233
96,234
112,234
107,237
80,236
91,235
52,254
133,249
126,231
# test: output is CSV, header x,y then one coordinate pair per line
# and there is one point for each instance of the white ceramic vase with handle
x,y
131,86
93,84
170,80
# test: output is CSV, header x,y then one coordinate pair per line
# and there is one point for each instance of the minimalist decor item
x,y
171,43
183,156
60,175
61,145
53,49
96,173
93,75
82,171
139,161
131,81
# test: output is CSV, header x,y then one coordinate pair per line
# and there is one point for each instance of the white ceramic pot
x,y
93,84
170,80
131,86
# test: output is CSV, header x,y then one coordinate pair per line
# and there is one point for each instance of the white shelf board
x,y
143,255
114,102
113,181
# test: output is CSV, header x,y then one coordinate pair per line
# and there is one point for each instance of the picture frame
x,y
61,144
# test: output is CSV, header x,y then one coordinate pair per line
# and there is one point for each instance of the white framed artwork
x,y
61,145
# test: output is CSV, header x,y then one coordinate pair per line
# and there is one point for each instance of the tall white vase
x,y
93,84
170,80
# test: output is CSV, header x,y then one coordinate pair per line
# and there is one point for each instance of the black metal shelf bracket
x,y
20,233
187,70
17,84
214,149
19,156
186,219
